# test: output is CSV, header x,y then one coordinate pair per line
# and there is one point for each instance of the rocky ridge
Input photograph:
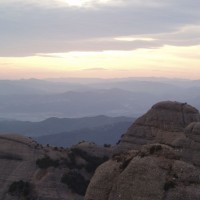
x,y
30,171
157,159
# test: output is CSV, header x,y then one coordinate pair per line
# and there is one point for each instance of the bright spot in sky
x,y
80,3
75,2
130,39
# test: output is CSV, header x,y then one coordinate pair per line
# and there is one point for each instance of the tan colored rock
x,y
157,159
163,123
154,173
18,157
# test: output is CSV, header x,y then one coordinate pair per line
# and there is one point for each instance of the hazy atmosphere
x,y
99,99
102,38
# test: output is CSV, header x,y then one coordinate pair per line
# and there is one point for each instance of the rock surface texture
x,y
30,171
163,123
157,159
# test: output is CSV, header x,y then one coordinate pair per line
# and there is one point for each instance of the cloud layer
x,y
54,26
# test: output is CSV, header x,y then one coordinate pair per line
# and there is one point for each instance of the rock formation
x,y
163,123
30,171
157,159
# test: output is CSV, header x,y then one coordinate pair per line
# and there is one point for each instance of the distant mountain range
x,y
68,131
107,134
36,100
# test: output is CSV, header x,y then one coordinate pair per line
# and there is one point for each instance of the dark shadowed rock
x,y
191,145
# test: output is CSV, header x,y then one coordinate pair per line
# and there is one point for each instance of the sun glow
x,y
170,61
86,3
78,3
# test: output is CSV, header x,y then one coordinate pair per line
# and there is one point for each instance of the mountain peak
x,y
163,123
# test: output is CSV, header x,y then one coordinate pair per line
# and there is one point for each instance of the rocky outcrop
x,y
32,171
154,173
163,123
157,159
191,145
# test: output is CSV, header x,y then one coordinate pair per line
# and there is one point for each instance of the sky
x,y
99,38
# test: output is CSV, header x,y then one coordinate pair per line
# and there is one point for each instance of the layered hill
x,y
35,100
68,131
157,159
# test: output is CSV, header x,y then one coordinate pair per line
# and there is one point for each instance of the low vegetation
x,y
76,182
21,189
47,162
92,161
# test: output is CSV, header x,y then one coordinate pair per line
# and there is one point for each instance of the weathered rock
x,y
163,123
23,161
191,145
157,159
153,173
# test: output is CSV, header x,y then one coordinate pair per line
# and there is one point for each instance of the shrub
x,y
107,145
55,148
92,161
76,182
46,162
155,149
20,189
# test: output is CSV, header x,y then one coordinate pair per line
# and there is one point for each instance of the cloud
x,y
130,39
50,26
96,69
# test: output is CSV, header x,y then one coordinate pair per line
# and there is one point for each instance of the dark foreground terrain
x,y
158,158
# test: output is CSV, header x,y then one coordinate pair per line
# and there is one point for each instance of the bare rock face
x,y
156,172
30,171
163,123
191,145
157,159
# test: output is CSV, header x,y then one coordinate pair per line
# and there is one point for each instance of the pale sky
x,y
99,38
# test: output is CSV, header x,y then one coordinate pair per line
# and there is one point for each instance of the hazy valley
x,y
36,100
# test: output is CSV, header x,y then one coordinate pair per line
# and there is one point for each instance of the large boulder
x,y
155,172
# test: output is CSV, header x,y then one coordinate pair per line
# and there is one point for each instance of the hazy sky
x,y
99,38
